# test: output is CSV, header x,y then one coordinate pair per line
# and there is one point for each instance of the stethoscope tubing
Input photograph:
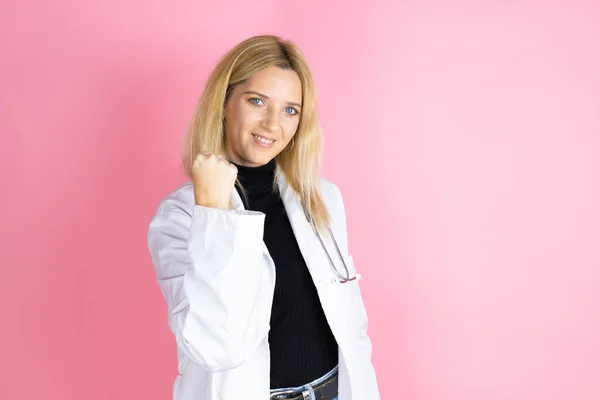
x,y
342,278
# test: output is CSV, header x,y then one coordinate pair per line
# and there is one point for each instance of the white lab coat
x,y
218,278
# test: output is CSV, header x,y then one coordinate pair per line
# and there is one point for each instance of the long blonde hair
x,y
300,161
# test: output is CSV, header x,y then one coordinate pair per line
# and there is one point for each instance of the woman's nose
x,y
270,120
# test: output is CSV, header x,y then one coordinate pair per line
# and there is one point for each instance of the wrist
x,y
200,201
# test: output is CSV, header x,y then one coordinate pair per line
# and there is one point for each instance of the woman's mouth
x,y
263,142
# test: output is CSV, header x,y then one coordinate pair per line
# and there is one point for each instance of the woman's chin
x,y
256,159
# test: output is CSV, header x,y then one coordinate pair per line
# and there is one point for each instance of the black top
x,y
302,345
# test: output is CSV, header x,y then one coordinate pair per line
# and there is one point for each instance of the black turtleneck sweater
x,y
302,345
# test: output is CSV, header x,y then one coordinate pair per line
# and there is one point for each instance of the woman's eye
x,y
255,101
291,111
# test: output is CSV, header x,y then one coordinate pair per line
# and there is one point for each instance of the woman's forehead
x,y
278,83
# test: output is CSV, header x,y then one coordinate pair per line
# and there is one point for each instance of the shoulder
x,y
181,199
332,196
329,190
334,202
331,193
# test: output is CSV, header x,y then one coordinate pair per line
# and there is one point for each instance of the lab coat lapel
x,y
308,242
236,200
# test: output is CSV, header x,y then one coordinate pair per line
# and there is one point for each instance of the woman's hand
x,y
214,178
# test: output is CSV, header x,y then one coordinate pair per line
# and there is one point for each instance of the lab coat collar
x,y
308,242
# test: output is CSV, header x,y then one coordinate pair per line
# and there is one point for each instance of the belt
x,y
324,388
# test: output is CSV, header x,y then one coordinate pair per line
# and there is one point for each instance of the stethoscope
x,y
342,278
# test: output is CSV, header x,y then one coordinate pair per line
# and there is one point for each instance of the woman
x,y
256,307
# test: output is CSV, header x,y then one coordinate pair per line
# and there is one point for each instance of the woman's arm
x,y
210,269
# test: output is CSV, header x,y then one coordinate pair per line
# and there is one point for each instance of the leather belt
x,y
326,390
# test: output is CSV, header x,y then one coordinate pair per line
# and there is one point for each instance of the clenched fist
x,y
214,179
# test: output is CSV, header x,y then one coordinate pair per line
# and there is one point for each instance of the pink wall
x,y
466,140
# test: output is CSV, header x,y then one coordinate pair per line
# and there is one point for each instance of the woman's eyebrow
x,y
291,103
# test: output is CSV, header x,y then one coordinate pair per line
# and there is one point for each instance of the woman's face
x,y
262,116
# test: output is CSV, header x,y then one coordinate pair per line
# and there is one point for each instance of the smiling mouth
x,y
263,140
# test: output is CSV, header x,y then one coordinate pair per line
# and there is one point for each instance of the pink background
x,y
465,139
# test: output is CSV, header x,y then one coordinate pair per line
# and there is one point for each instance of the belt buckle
x,y
281,394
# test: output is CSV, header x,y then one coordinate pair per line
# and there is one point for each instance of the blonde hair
x,y
300,161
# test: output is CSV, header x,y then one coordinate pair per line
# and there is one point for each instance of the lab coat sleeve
x,y
363,345
208,266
